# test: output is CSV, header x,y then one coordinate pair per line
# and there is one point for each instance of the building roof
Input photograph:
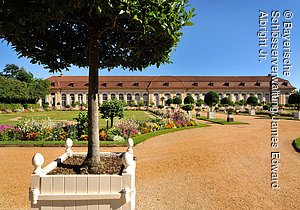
x,y
188,83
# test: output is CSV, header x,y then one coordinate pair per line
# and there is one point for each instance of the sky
x,y
223,41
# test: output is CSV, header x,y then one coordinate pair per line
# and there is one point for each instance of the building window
x,y
121,96
228,95
226,84
259,97
104,97
71,84
156,99
244,96
257,84
86,84
129,99
137,98
197,97
242,84
285,83
63,99
52,84
267,96
211,84
145,99
104,84
80,98
251,94
72,97
236,97
136,84
166,84
112,96
120,84
195,84
167,96
178,95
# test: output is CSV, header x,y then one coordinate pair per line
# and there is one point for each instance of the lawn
x,y
220,121
15,118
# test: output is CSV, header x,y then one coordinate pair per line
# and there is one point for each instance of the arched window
x,y
259,97
145,99
72,97
236,97
197,97
178,95
63,99
167,96
156,99
129,99
267,96
137,98
244,96
80,98
104,97
121,96
112,96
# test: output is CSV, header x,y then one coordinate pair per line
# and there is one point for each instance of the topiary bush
x,y
189,100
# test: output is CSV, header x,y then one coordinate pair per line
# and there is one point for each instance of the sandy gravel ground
x,y
218,167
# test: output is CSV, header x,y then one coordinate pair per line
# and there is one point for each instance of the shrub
x,y
225,101
160,106
46,105
266,107
141,103
189,100
252,100
177,100
82,123
211,98
169,101
132,103
199,102
25,106
188,107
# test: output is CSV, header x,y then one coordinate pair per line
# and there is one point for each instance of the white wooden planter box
x,y
49,192
252,112
211,115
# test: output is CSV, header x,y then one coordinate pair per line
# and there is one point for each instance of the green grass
x,y
296,144
220,121
137,140
15,118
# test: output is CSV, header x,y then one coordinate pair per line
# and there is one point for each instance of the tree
x,y
225,101
13,91
95,34
199,102
252,100
177,100
188,100
187,107
38,89
13,71
295,99
112,108
211,98
169,101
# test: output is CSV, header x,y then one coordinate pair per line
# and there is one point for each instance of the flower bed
x,y
50,130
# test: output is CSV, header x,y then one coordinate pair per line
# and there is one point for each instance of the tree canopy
x,y
188,100
225,101
295,99
177,100
131,34
211,98
112,108
252,100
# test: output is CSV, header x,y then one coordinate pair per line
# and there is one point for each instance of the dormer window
x,y
257,84
136,84
195,84
52,84
285,83
242,84
120,84
104,84
166,84
86,84
71,84
226,84
211,84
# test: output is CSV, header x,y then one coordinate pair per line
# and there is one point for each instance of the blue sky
x,y
223,41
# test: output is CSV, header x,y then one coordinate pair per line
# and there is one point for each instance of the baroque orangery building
x,y
66,90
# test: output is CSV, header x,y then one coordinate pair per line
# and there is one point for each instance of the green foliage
x,y
13,71
188,100
294,99
199,102
112,108
141,103
211,98
38,89
160,106
131,34
132,103
12,107
266,107
169,101
252,100
187,107
177,100
225,101
13,91
230,111
241,102
82,124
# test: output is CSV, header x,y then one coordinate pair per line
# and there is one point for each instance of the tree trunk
x,y
111,122
92,160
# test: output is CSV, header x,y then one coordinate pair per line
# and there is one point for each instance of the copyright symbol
x,y
288,14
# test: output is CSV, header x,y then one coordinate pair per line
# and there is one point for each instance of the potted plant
x,y
211,99
230,117
295,100
252,101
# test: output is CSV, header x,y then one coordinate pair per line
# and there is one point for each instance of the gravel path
x,y
218,167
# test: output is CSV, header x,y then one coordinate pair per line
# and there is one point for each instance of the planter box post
x,y
84,191
297,115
